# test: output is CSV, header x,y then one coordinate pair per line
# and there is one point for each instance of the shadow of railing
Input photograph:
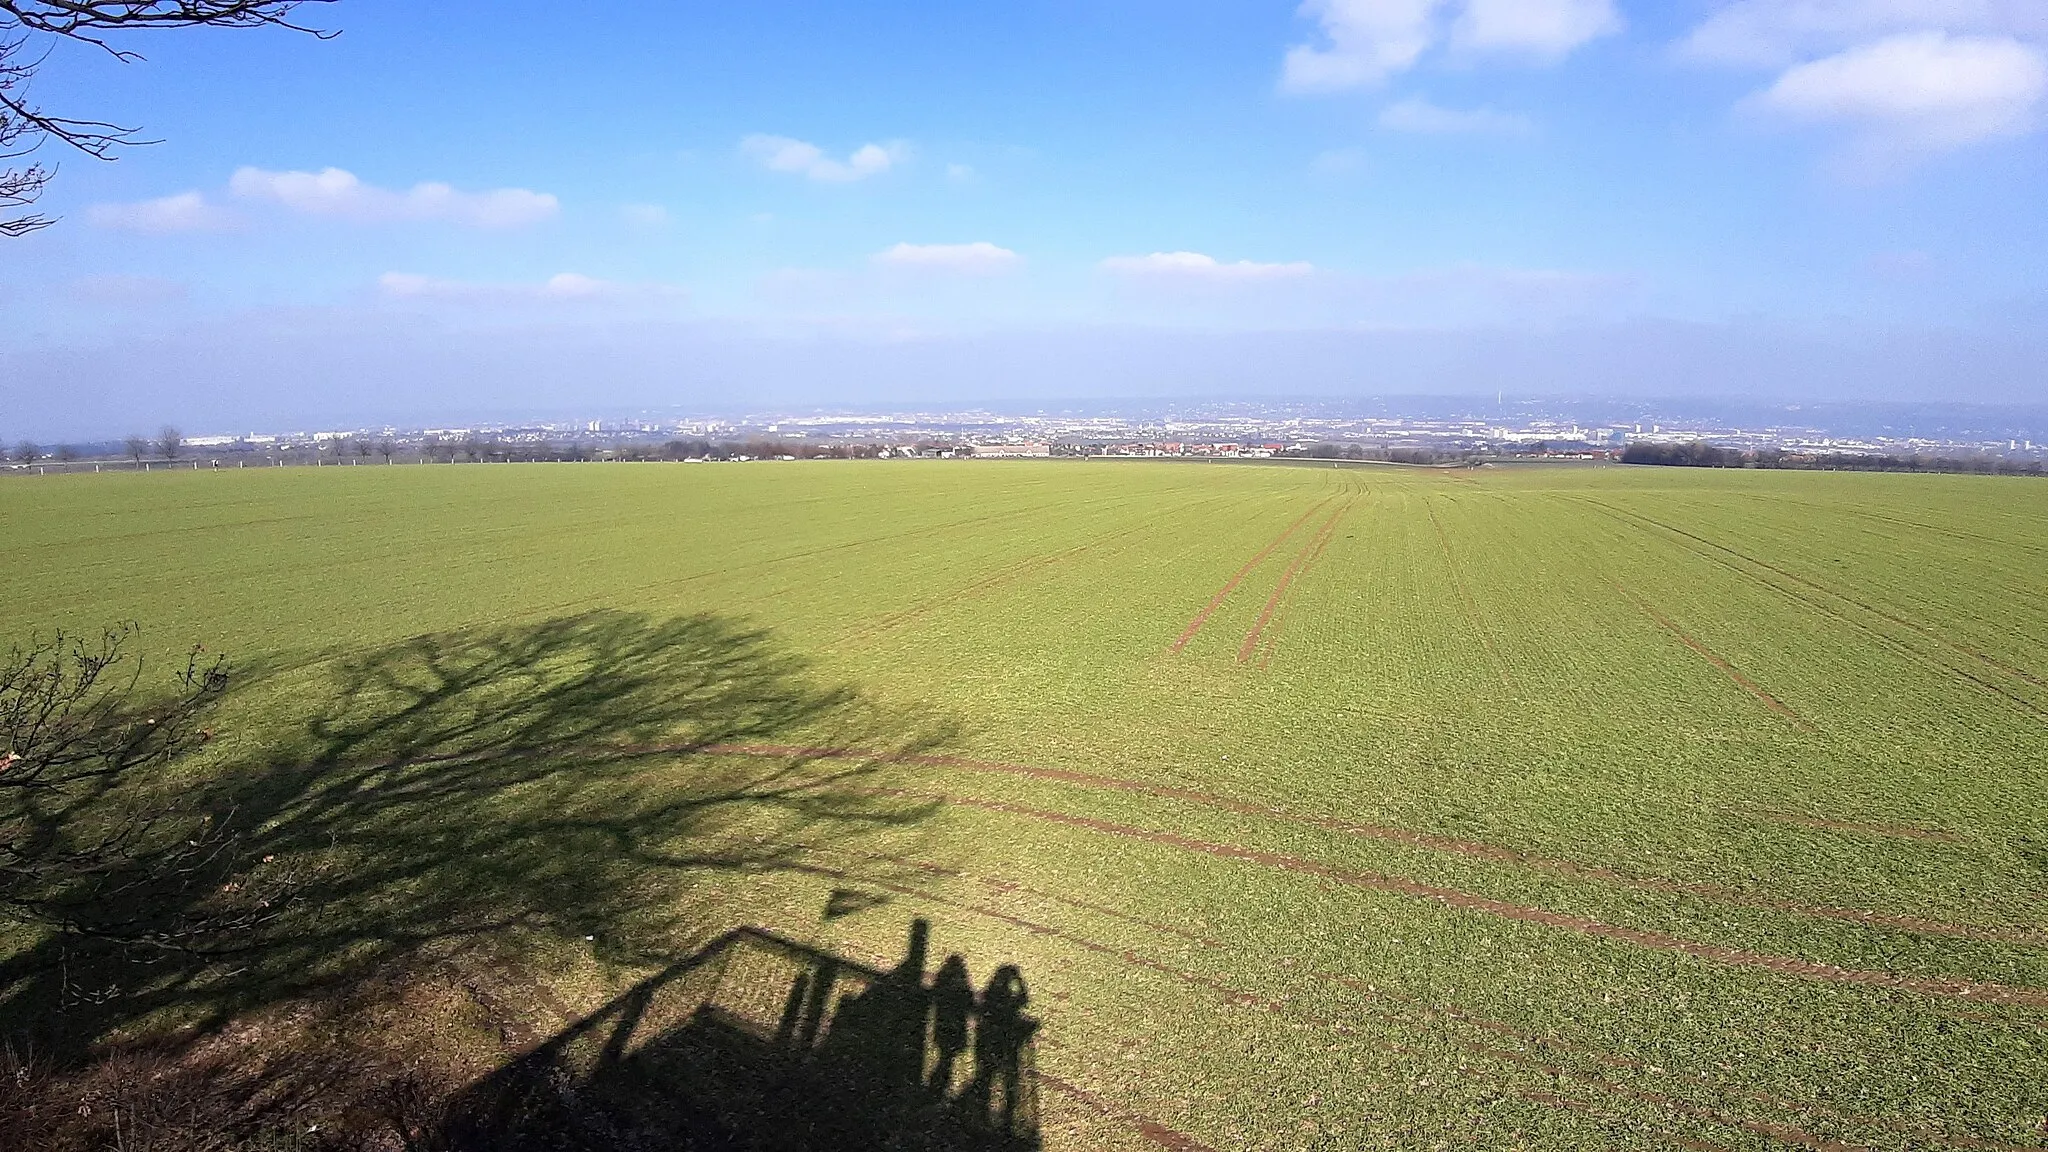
x,y
761,1042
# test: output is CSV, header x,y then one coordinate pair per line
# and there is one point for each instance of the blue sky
x,y
463,205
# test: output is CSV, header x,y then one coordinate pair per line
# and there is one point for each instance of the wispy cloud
x,y
1420,116
1915,93
1203,267
1906,78
979,257
1543,29
334,192
560,286
799,157
1364,42
1779,33
184,212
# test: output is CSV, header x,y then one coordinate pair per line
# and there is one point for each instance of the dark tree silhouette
x,y
27,27
449,803
496,784
136,447
169,442
78,725
28,452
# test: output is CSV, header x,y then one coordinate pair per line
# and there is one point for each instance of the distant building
x,y
984,450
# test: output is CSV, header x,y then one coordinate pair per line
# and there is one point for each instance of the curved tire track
x,y
1477,850
1972,991
1229,586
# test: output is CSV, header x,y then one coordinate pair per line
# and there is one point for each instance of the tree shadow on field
x,y
591,782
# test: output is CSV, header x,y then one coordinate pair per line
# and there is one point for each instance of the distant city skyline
x,y
495,206
2008,431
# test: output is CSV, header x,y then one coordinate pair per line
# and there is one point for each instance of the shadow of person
x,y
952,999
879,1035
1002,1036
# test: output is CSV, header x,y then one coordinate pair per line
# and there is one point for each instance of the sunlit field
x,y
1316,806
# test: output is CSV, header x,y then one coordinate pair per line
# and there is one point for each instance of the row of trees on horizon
x,y
168,444
1699,454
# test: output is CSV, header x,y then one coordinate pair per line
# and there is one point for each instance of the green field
x,y
1320,806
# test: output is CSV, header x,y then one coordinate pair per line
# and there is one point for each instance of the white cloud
x,y
1418,115
337,193
1917,91
979,257
184,212
960,173
560,286
1546,29
1908,77
1777,33
1198,266
1365,41
783,154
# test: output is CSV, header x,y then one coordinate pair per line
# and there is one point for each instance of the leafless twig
x,y
25,127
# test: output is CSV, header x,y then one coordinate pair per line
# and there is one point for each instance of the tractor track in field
x,y
626,593
1144,1126
1727,669
1913,654
1302,559
1971,991
1526,1057
1625,516
1465,601
1001,575
1472,849
1863,827
1954,645
1008,888
1569,1104
1230,585
1534,1041
1952,533
1006,573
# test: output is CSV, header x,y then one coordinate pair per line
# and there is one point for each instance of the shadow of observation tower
x,y
762,1043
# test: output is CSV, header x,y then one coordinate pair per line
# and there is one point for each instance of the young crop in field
x,y
1332,807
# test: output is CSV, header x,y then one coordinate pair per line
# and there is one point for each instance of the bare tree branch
x,y
77,728
89,20
24,127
